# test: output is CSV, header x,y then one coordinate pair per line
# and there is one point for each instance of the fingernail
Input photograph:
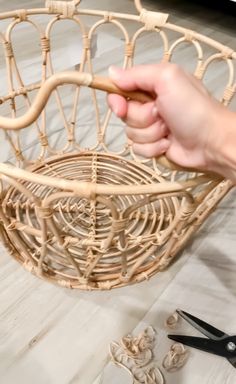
x,y
114,72
136,149
155,111
164,145
116,111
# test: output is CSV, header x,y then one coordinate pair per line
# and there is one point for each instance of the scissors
x,y
218,342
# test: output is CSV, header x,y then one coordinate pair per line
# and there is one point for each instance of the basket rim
x,y
226,50
90,189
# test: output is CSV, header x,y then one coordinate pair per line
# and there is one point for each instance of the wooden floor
x,y
50,335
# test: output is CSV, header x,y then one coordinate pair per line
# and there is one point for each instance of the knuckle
x,y
152,151
149,150
170,72
132,134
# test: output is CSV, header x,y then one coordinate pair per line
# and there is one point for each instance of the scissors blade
x,y
203,327
232,361
216,347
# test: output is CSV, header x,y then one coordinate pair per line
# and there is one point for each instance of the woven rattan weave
x,y
78,207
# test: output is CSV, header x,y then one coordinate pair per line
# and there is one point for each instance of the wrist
x,y
221,149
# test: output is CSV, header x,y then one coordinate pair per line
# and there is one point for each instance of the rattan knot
x,y
45,44
107,17
11,226
145,276
21,91
189,36
44,212
165,262
64,283
8,49
227,53
166,56
153,20
119,225
129,49
43,140
83,280
65,8
86,42
107,285
138,239
175,234
70,135
200,71
21,15
228,93
29,266
186,213
100,137
158,239
19,155
125,278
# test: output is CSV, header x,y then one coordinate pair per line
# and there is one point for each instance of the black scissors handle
x,y
224,347
219,343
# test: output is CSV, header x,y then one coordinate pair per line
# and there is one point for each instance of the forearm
x,y
222,148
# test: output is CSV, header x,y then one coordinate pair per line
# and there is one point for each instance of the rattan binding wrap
x,y
90,217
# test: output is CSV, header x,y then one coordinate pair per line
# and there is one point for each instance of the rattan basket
x,y
78,207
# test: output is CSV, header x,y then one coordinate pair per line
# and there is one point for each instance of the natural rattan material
x,y
90,217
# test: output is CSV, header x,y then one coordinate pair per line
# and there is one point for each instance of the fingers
x,y
134,113
144,128
132,79
118,105
153,77
154,132
151,141
141,115
138,77
152,149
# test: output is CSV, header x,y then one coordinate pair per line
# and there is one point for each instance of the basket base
x,y
90,244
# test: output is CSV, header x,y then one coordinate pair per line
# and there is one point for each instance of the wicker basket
x,y
78,207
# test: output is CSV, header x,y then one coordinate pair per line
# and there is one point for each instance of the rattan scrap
x,y
135,355
176,358
172,321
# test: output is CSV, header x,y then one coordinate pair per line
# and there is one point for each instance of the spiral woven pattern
x,y
78,207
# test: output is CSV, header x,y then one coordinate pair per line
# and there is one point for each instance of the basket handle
x,y
69,77
106,84
80,79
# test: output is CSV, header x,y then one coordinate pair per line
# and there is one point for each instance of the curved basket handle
x,y
70,77
105,84
80,79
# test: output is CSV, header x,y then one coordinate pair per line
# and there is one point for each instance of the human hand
x,y
184,121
